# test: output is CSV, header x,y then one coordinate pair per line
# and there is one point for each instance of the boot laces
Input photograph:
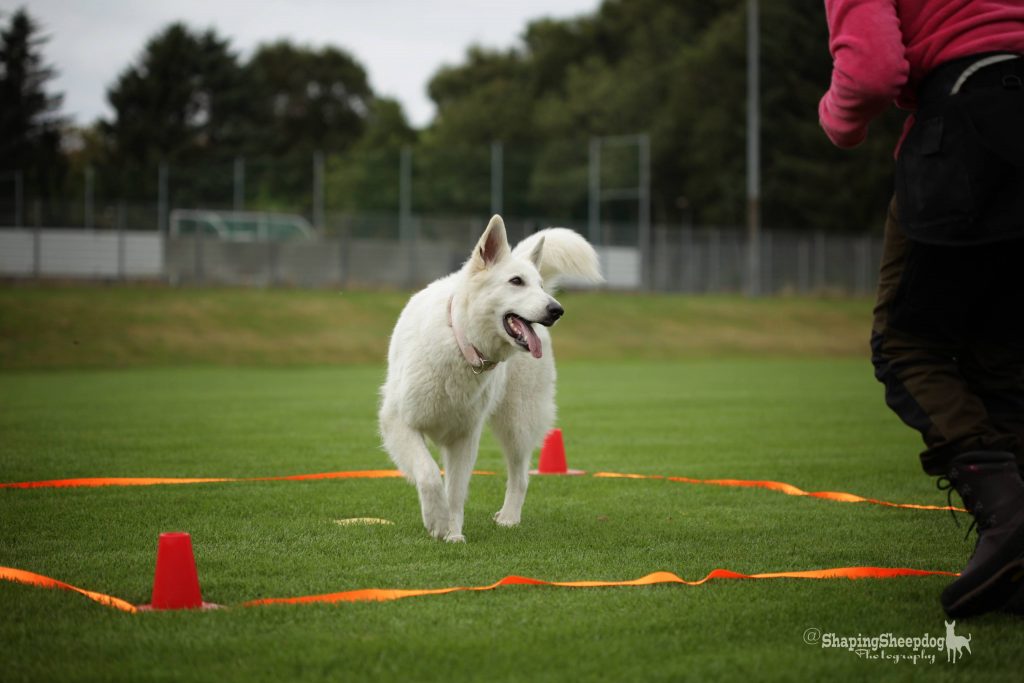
x,y
946,484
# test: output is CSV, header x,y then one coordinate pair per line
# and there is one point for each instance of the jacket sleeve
x,y
869,67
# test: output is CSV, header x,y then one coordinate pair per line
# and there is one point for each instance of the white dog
x,y
457,359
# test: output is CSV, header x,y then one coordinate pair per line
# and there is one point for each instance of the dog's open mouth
x,y
521,331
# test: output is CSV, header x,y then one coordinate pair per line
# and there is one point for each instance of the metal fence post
x,y
343,253
863,261
497,177
819,261
685,260
273,252
19,198
120,241
753,148
239,199
37,248
644,209
405,228
594,194
161,201
89,177
318,191
714,261
198,258
803,259
161,214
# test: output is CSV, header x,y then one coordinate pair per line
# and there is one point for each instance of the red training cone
x,y
176,582
552,456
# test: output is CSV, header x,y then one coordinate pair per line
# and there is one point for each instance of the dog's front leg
x,y
409,451
459,458
516,443
515,489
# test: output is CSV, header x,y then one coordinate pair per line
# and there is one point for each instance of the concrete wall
x,y
77,253
693,261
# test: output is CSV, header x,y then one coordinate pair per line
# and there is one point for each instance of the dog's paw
x,y
454,538
502,518
437,527
435,512
436,522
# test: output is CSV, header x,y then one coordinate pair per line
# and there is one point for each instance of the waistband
x,y
970,73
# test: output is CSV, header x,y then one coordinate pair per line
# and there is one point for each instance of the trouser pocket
x,y
960,172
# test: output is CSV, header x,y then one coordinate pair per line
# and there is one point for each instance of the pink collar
x,y
470,352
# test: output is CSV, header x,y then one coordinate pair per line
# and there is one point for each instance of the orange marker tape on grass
x,y
387,594
33,579
152,481
105,481
781,487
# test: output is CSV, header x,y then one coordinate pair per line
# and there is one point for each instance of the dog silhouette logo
x,y
955,644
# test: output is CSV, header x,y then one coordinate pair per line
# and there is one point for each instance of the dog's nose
x,y
555,311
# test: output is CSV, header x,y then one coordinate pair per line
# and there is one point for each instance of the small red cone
x,y
552,456
176,582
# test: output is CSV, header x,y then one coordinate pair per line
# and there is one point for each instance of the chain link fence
x,y
397,219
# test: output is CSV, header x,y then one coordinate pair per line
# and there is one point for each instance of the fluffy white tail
x,y
566,255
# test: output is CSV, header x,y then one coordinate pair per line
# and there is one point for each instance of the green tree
x,y
616,85
365,177
485,100
306,100
807,182
30,119
182,102
303,100
607,74
675,70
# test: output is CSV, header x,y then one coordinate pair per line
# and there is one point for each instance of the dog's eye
x,y
517,281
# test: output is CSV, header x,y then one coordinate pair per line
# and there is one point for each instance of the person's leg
x,y
940,336
993,363
919,332
995,373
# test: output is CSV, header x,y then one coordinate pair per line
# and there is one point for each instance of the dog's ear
x,y
537,253
493,245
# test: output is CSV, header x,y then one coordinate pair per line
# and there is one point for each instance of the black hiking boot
x,y
993,492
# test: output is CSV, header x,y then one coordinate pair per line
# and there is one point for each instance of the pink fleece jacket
x,y
881,49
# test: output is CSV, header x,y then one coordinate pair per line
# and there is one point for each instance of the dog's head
x,y
507,296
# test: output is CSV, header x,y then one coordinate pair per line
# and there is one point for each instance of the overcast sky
x,y
401,43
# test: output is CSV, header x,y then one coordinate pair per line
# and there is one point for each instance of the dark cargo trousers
x,y
948,343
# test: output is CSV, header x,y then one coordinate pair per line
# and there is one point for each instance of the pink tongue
x,y
532,340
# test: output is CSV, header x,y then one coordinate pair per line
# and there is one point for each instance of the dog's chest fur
x,y
458,401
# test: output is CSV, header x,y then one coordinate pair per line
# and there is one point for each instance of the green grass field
x,y
666,396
